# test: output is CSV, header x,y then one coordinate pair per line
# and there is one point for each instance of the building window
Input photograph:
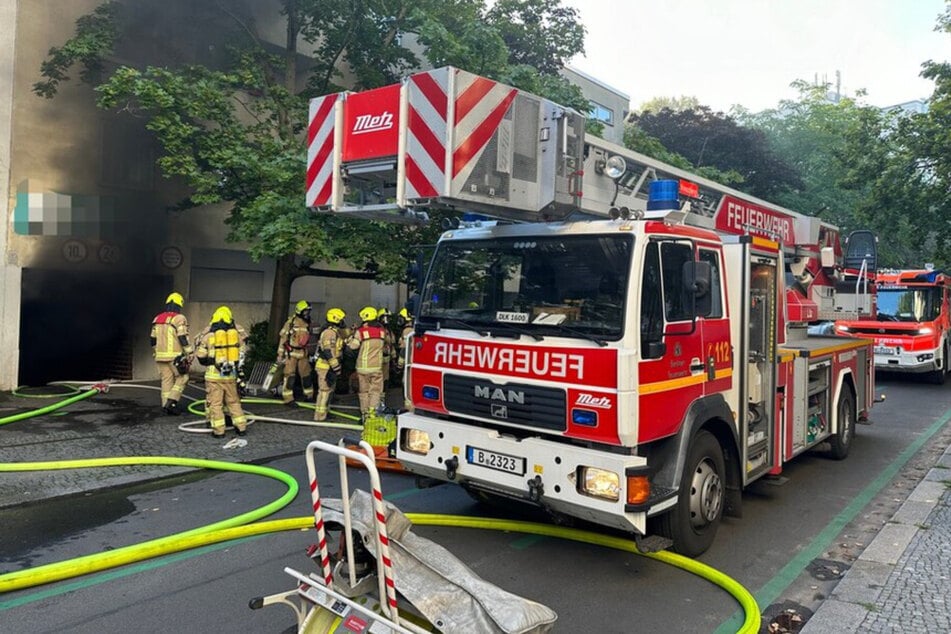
x,y
601,113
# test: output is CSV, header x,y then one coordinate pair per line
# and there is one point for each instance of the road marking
x,y
775,586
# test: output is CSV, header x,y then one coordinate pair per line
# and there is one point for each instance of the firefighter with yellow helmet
x,y
172,351
328,357
221,350
405,322
383,316
369,342
292,352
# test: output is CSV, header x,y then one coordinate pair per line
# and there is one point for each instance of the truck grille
x,y
515,403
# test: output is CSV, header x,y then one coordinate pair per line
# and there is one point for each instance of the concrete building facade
x,y
94,240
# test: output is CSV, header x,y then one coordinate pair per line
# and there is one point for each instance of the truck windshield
x,y
908,304
540,285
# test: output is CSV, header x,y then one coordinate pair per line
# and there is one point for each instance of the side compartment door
x,y
762,424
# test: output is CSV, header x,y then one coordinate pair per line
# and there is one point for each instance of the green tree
x,y
233,127
707,138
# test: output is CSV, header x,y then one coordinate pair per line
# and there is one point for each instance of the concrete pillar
x,y
9,268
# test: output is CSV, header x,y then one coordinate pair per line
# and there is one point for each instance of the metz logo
x,y
372,123
600,402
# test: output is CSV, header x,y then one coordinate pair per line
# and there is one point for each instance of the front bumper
x,y
551,470
914,362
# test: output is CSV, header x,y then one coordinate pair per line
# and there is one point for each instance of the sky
x,y
748,52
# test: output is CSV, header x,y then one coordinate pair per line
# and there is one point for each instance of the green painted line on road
x,y
775,586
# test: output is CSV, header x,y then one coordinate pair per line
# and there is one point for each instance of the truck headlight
x,y
415,441
600,483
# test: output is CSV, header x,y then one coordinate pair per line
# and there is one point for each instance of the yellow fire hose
x,y
240,526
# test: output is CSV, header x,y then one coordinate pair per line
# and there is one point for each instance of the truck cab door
x,y
672,370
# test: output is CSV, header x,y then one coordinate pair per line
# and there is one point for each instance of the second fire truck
x,y
622,342
911,323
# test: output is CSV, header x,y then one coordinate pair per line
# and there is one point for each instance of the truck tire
x,y
841,441
938,376
693,522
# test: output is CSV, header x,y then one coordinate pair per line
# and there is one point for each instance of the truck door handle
x,y
696,365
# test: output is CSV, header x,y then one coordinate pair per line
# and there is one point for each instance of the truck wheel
x,y
938,376
841,441
692,523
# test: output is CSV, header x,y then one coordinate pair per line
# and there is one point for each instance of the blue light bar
x,y
430,393
663,195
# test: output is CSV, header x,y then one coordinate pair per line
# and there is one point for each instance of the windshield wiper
x,y
521,331
578,333
459,322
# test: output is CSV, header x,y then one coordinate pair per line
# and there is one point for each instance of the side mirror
x,y
697,277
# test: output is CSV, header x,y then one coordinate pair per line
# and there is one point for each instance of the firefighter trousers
x,y
223,394
173,381
293,366
324,392
371,390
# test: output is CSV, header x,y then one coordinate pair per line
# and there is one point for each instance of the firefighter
x,y
221,350
329,353
292,352
383,316
369,341
172,351
405,322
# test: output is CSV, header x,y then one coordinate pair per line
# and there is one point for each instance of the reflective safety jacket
x,y
294,337
369,340
329,349
169,336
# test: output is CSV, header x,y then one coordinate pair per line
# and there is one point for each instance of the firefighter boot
x,y
171,408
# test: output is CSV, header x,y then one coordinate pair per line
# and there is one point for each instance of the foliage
x,y
541,34
707,138
676,104
259,347
638,140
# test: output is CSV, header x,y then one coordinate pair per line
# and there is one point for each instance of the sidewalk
x,y
900,583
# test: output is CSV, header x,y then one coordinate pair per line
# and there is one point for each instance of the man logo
x,y
499,411
498,394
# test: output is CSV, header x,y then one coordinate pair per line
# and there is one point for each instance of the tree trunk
x,y
285,272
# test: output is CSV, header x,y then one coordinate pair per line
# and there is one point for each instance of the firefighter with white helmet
x,y
221,350
172,351
292,352
329,353
369,342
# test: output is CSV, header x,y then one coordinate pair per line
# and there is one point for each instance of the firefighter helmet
x,y
368,313
223,314
404,313
301,306
175,298
335,316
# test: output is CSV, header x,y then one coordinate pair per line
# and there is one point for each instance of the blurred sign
x,y
74,251
171,257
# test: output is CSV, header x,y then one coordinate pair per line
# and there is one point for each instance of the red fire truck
x,y
910,327
611,338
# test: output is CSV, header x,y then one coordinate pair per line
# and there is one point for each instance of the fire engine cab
x,y
608,337
910,326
